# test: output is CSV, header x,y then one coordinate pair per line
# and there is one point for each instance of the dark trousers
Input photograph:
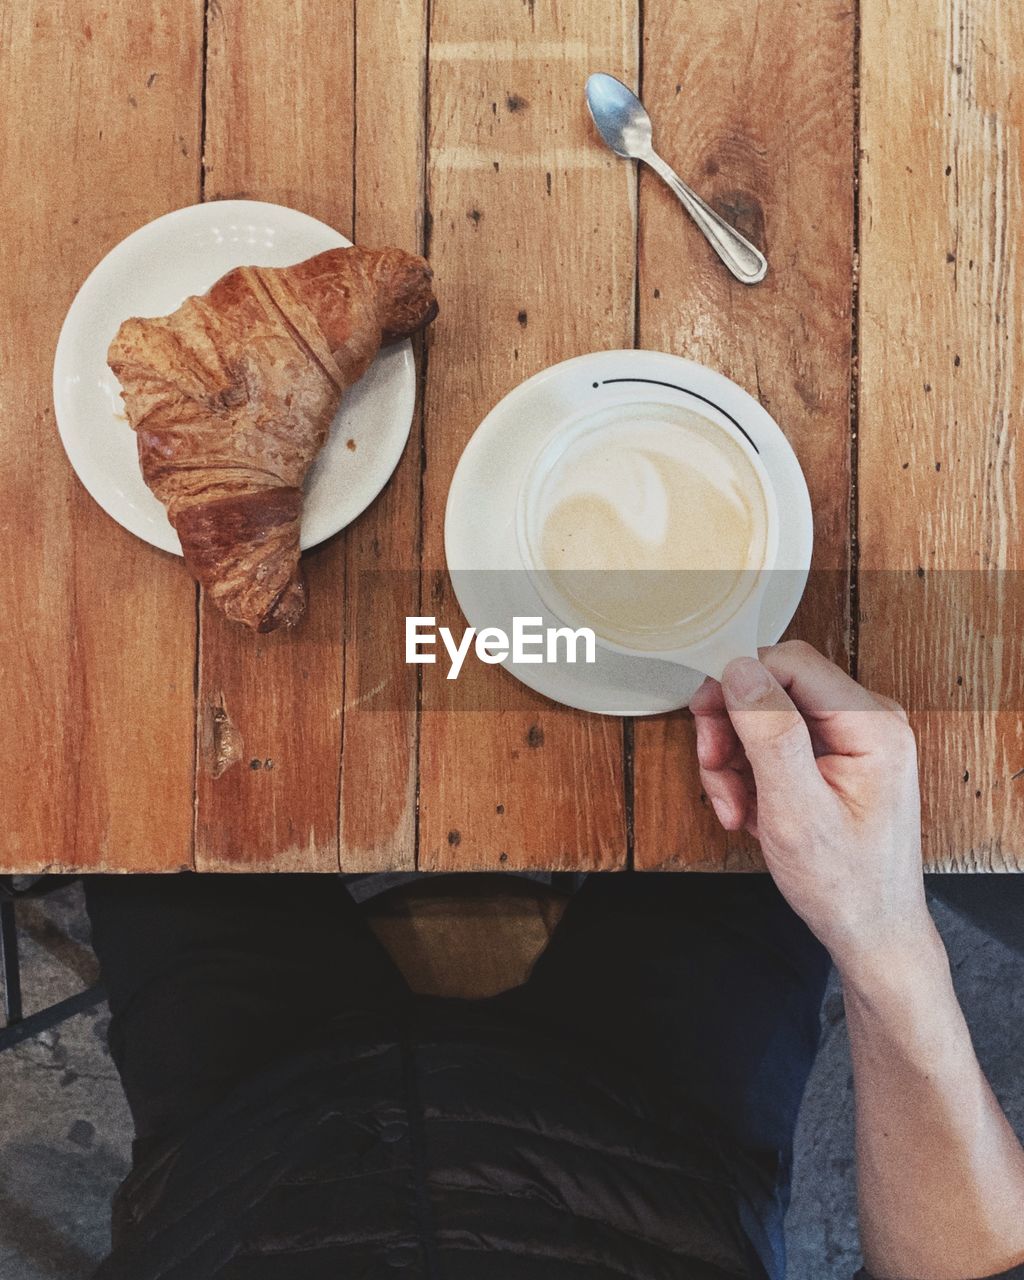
x,y
709,981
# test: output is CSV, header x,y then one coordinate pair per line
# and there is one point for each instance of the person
x,y
628,1111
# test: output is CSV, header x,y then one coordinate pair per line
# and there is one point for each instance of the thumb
x,y
773,732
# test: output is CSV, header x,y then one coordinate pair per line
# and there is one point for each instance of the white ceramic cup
x,y
731,629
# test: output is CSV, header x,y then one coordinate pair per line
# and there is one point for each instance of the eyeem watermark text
x,y
530,641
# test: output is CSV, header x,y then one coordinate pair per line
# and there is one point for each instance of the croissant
x,y
232,396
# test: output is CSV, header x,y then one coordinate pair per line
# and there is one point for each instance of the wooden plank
x,y
533,241
941,391
279,124
379,752
753,103
101,112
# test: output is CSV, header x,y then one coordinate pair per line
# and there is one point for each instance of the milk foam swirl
x,y
648,524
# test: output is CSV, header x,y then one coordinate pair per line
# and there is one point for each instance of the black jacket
x,y
453,1148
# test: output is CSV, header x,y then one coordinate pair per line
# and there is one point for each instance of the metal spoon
x,y
626,127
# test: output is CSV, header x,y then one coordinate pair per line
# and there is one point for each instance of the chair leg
x,y
9,963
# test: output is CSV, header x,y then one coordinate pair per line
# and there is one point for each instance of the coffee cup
x,y
655,525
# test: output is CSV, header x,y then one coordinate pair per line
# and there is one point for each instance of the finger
x,y
849,720
709,699
717,743
774,734
817,686
890,704
728,795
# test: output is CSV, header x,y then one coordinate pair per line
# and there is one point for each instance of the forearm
x,y
940,1172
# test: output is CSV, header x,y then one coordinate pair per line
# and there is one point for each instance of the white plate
x,y
490,582
150,274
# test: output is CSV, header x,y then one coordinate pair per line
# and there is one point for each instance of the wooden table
x,y
878,160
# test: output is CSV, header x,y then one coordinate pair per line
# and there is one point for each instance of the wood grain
x,y
279,127
941,392
100,135
533,246
758,114
304,749
379,751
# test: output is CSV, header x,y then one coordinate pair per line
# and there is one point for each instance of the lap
x,y
211,976
710,979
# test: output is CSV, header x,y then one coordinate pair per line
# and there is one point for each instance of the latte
x,y
650,523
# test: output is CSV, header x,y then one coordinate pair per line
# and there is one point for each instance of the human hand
x,y
824,774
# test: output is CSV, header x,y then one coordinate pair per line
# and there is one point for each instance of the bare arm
x,y
824,774
940,1172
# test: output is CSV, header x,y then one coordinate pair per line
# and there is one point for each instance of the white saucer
x,y
150,274
487,574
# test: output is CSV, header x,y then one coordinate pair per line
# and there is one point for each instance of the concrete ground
x,y
65,1130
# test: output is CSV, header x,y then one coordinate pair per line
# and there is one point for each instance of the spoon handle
x,y
747,263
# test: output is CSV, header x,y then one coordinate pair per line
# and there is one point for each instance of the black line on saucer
x,y
655,382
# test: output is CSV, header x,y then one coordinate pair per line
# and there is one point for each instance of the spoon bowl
x,y
620,116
